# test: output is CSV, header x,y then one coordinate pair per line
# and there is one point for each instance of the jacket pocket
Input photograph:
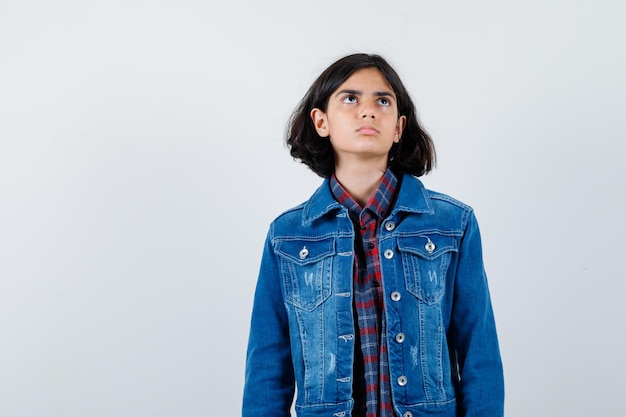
x,y
306,267
425,260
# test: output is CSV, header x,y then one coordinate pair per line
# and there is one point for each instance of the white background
x,y
142,159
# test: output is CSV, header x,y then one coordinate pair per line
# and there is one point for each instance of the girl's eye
x,y
383,101
349,99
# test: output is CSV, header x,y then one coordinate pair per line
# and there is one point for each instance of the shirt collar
x,y
380,203
412,197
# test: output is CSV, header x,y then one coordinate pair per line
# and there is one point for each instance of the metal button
x,y
388,254
400,337
304,252
407,414
402,381
390,226
395,296
430,246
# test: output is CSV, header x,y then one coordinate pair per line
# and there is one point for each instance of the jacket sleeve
x,y
269,376
473,333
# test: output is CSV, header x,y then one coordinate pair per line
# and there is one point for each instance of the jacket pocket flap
x,y
427,246
306,251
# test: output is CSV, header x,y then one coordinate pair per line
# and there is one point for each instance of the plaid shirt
x,y
371,387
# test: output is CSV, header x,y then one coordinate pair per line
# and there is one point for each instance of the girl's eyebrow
x,y
359,92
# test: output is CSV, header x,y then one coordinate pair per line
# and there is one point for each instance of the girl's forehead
x,y
364,77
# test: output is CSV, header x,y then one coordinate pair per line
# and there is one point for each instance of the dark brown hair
x,y
414,154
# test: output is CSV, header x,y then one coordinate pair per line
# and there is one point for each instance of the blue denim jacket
x,y
444,358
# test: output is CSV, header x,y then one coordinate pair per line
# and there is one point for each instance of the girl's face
x,y
361,119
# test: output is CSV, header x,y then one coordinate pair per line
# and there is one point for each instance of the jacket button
x,y
402,381
304,252
400,337
390,226
388,254
430,246
395,296
407,414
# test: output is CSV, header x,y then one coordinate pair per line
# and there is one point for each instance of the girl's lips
x,y
367,130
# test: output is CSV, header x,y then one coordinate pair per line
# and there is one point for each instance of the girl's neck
x,y
361,182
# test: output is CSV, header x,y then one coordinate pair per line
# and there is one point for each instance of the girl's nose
x,y
367,111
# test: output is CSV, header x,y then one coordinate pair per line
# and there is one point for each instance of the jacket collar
x,y
412,197
320,203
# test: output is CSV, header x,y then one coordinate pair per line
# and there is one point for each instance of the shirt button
x,y
395,296
388,254
375,284
400,337
390,226
402,381
407,414
370,245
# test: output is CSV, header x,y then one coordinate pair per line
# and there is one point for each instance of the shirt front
x,y
371,386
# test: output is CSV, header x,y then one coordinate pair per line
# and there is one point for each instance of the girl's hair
x,y
414,154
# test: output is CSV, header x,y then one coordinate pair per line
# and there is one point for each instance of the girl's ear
x,y
320,122
399,128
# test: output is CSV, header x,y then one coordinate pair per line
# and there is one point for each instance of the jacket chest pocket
x,y
306,268
425,261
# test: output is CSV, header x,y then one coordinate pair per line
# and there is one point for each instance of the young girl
x,y
372,298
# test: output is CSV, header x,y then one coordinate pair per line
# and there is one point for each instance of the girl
x,y
372,298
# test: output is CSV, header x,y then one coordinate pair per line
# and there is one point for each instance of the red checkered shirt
x,y
371,387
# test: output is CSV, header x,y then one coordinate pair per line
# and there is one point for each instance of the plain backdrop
x,y
142,160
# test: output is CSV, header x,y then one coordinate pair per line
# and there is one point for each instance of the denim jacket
x,y
443,351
